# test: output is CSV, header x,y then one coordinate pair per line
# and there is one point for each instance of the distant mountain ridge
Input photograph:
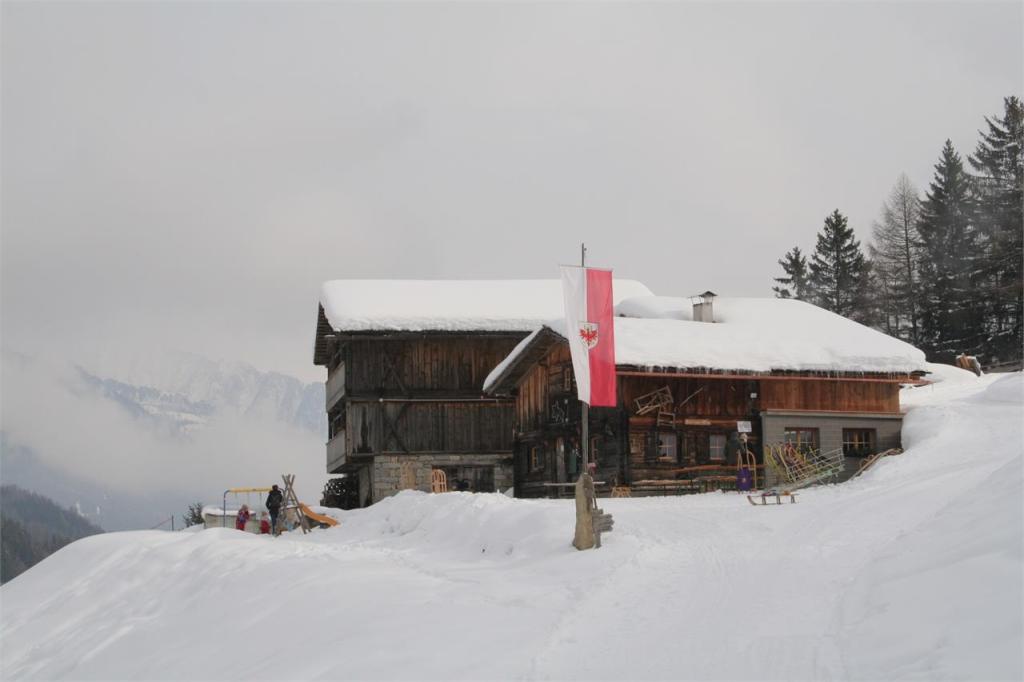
x,y
33,528
177,398
173,413
183,391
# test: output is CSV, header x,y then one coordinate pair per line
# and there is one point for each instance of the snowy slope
x,y
912,571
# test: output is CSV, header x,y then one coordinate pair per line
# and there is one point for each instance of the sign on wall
x,y
744,427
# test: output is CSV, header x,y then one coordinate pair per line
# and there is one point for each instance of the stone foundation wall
x,y
392,473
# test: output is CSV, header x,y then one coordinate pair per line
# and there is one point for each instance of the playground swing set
x,y
293,512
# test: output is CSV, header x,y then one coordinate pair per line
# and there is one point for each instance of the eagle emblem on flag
x,y
588,333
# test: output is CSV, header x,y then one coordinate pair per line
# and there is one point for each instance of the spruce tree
x,y
894,257
998,162
794,284
952,317
837,268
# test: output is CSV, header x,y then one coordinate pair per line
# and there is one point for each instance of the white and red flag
x,y
591,333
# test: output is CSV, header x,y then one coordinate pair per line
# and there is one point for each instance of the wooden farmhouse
x,y
700,382
406,362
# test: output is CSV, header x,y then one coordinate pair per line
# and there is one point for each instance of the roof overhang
x,y
328,339
544,339
537,347
325,340
916,378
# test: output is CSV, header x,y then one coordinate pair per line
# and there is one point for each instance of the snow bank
x,y
1005,388
460,526
449,305
938,372
947,383
913,570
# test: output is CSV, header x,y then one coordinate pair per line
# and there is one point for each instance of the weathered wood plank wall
x,y
727,398
410,394
424,365
830,395
430,427
544,381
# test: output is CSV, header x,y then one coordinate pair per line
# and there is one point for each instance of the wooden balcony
x,y
335,386
337,452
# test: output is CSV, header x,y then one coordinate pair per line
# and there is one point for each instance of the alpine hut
x,y
406,362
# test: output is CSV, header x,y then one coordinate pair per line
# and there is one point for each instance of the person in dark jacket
x,y
274,499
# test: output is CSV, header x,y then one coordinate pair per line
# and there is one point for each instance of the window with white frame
x,y
716,447
667,447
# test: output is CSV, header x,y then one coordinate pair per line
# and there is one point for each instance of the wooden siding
x,y
726,398
705,411
427,365
831,395
430,427
703,408
542,384
546,411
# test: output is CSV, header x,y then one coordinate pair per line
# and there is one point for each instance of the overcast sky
x,y
186,174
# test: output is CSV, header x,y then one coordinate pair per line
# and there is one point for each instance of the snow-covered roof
x,y
450,305
749,335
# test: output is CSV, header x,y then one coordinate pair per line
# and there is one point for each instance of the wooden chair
x,y
438,481
660,399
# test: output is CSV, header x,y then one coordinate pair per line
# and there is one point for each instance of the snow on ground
x,y
912,571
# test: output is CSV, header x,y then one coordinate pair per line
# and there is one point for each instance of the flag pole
x,y
585,445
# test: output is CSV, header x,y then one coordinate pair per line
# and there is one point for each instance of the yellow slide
x,y
319,518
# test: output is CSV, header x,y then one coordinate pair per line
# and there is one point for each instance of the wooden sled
x,y
765,496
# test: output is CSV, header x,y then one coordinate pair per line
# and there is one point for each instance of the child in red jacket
x,y
242,518
264,524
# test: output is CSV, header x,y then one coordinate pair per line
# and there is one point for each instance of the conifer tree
x,y
794,283
194,516
882,296
998,162
837,268
951,315
894,257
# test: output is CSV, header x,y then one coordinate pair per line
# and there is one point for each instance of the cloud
x,y
48,407
187,174
191,172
